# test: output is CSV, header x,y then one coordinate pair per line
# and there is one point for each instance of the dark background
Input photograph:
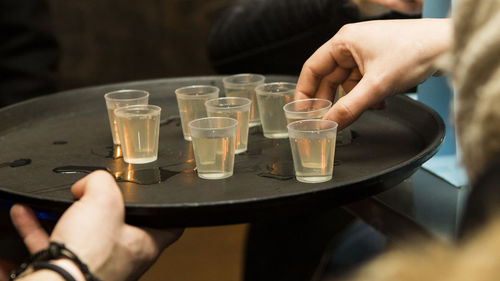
x,y
122,40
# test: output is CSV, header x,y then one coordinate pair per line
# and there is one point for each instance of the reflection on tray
x,y
143,176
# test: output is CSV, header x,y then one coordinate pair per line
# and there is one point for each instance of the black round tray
x,y
71,129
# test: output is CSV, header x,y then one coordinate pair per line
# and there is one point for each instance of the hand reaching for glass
x,y
371,61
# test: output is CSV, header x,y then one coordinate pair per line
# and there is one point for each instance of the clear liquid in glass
x,y
249,94
313,158
214,157
114,126
139,134
241,140
272,115
189,110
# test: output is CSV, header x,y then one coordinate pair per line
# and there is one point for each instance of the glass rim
x,y
310,111
154,108
227,83
179,93
333,123
248,104
108,95
286,90
233,124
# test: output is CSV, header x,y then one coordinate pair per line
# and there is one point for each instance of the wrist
x,y
46,274
441,38
57,258
42,274
70,267
54,270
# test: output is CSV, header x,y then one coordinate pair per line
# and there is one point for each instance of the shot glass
x,y
313,149
243,85
139,130
191,102
122,98
271,98
306,109
214,144
233,107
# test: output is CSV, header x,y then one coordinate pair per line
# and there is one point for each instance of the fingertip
x,y
334,115
27,225
102,175
343,112
19,211
77,189
363,96
20,215
100,190
15,209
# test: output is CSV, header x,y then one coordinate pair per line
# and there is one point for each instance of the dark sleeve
x,y
274,36
28,51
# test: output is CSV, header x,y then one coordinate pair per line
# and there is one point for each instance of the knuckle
x,y
346,28
308,67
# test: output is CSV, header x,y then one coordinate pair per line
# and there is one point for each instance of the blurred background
x,y
113,41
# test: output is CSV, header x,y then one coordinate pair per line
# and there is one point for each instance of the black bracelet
x,y
47,265
55,251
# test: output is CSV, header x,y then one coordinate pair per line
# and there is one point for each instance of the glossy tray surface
x,y
69,131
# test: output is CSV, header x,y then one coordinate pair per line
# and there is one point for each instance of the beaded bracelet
x,y
50,266
54,251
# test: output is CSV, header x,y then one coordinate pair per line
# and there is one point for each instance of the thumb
x,y
98,184
99,190
34,236
362,97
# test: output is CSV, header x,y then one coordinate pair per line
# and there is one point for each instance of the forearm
x,y
435,41
441,34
